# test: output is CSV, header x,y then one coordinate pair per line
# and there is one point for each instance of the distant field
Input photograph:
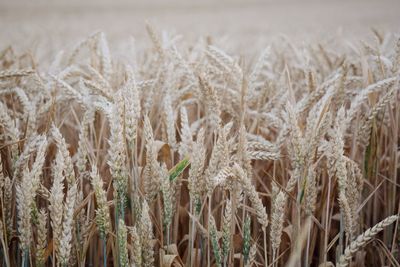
x,y
59,22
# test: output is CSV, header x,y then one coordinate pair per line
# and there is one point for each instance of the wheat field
x,y
174,152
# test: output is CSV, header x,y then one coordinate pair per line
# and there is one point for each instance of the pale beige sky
x,y
57,23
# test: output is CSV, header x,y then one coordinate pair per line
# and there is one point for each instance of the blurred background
x,y
58,24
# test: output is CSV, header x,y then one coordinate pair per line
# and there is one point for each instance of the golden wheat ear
x,y
362,240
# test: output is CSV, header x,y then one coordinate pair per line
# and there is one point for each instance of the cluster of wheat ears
x,y
191,157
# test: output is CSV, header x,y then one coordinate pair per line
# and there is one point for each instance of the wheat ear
x,y
122,244
251,192
146,236
102,211
362,239
214,241
136,254
277,219
41,239
67,232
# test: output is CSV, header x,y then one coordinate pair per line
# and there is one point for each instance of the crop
x,y
187,155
